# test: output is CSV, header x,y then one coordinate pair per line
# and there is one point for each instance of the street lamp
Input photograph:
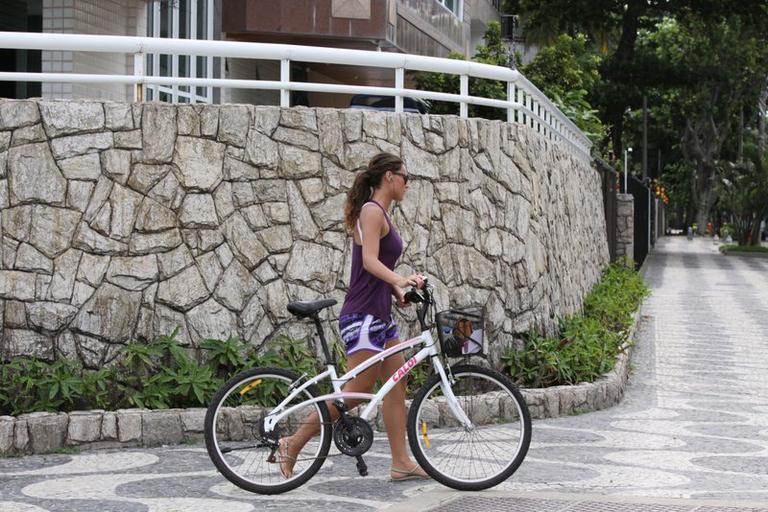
x,y
626,166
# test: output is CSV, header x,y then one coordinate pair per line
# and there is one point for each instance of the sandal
x,y
412,474
282,450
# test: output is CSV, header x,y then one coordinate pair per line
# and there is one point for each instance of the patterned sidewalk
x,y
693,425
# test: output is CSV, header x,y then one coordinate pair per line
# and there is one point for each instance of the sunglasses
x,y
404,176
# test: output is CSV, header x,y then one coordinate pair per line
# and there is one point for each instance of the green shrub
x,y
588,343
743,248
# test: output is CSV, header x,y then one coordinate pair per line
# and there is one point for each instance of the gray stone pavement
x,y
691,433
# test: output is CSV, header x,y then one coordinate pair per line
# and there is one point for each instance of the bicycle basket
x,y
461,331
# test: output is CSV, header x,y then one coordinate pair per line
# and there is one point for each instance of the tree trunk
x,y
762,110
755,240
619,70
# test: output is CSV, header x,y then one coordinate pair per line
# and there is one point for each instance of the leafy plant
x,y
588,343
743,248
225,357
194,381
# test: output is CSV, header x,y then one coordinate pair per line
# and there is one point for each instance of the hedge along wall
x,y
123,221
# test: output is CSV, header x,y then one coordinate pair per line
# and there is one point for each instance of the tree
x,y
493,52
720,69
614,27
565,72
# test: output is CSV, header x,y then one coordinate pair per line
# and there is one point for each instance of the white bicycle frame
x,y
429,350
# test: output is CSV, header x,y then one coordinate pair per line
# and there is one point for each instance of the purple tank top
x,y
367,293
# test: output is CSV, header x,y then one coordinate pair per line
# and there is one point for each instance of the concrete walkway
x,y
691,434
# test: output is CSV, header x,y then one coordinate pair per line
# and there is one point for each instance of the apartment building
x,y
423,27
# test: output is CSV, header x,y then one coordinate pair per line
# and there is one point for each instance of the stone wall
x,y
625,227
123,221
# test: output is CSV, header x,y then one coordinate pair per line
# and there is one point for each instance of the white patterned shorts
x,y
366,332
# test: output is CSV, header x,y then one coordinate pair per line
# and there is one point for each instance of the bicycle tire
x,y
420,410
216,455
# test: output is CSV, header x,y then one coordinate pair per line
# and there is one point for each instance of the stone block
x,y
235,286
118,116
210,320
116,164
17,285
109,426
6,435
233,124
198,211
84,427
158,124
67,117
47,431
200,163
244,241
133,273
34,177
20,436
129,425
161,427
193,420
17,113
150,243
109,314
184,290
27,135
74,145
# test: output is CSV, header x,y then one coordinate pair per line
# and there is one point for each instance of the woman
x,y
365,321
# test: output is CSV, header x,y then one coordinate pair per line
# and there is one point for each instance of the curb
x,y
450,500
44,432
584,397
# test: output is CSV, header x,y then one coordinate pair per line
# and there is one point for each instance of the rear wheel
x,y
485,454
236,438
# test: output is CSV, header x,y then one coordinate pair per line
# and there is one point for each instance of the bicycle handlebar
x,y
421,295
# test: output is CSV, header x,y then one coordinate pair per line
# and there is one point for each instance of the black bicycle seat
x,y
304,309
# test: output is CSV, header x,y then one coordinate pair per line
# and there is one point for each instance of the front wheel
x,y
475,458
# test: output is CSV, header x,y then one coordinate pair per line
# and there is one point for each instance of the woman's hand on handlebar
x,y
416,280
399,297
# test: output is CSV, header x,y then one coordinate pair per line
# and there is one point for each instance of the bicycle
x,y
468,426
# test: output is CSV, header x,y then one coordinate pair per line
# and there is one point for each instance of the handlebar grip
x,y
413,297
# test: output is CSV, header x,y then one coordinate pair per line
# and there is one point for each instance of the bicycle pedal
x,y
362,468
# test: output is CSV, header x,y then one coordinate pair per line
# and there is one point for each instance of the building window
x,y
454,6
180,19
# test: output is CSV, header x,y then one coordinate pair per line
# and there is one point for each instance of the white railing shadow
x,y
525,103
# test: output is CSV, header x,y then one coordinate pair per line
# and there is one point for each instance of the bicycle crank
x,y
353,436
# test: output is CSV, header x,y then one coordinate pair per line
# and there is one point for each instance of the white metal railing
x,y
525,103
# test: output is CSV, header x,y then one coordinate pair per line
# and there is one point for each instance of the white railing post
x,y
510,99
138,70
399,85
464,92
174,14
285,80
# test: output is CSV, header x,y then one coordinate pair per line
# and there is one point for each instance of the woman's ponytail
x,y
365,182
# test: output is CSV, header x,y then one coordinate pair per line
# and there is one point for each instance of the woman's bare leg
x,y
310,427
394,415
